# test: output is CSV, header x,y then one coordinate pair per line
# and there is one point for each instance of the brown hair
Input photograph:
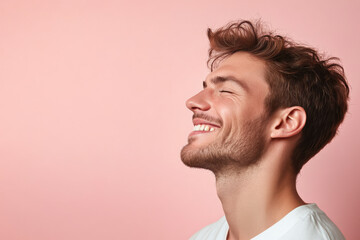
x,y
297,75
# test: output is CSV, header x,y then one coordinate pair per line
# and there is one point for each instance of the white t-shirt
x,y
306,222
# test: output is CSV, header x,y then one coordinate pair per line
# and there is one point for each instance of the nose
x,y
199,101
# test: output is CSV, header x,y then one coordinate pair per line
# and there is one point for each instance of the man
x,y
267,107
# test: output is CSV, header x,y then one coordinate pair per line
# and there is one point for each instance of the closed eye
x,y
225,91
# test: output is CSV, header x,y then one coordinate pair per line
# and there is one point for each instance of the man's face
x,y
229,116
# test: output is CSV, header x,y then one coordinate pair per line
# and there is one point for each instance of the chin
x,y
191,157
205,158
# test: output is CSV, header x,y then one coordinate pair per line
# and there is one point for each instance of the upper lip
x,y
197,121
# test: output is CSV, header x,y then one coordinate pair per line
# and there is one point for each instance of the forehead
x,y
245,67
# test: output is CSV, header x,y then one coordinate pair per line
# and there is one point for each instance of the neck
x,y
256,198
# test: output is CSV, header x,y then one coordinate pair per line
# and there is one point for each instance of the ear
x,y
288,122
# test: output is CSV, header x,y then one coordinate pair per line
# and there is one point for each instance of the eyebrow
x,y
221,79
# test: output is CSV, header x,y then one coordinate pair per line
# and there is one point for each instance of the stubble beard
x,y
230,154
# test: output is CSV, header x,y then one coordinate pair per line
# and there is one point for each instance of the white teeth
x,y
203,127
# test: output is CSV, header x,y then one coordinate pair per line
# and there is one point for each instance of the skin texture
x,y
249,151
237,110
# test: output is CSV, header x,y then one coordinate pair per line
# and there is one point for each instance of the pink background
x,y
92,115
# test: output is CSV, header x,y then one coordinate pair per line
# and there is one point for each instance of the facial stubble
x,y
235,152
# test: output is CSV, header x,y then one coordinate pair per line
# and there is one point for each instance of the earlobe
x,y
289,122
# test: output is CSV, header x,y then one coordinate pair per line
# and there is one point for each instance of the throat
x,y
252,202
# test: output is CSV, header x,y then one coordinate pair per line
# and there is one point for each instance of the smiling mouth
x,y
203,126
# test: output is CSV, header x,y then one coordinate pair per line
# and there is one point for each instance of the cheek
x,y
232,118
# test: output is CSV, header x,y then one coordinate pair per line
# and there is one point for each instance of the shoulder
x,y
307,222
215,231
313,223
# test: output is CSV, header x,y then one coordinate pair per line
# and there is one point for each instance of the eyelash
x,y
224,91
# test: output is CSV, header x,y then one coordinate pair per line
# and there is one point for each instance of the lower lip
x,y
193,133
